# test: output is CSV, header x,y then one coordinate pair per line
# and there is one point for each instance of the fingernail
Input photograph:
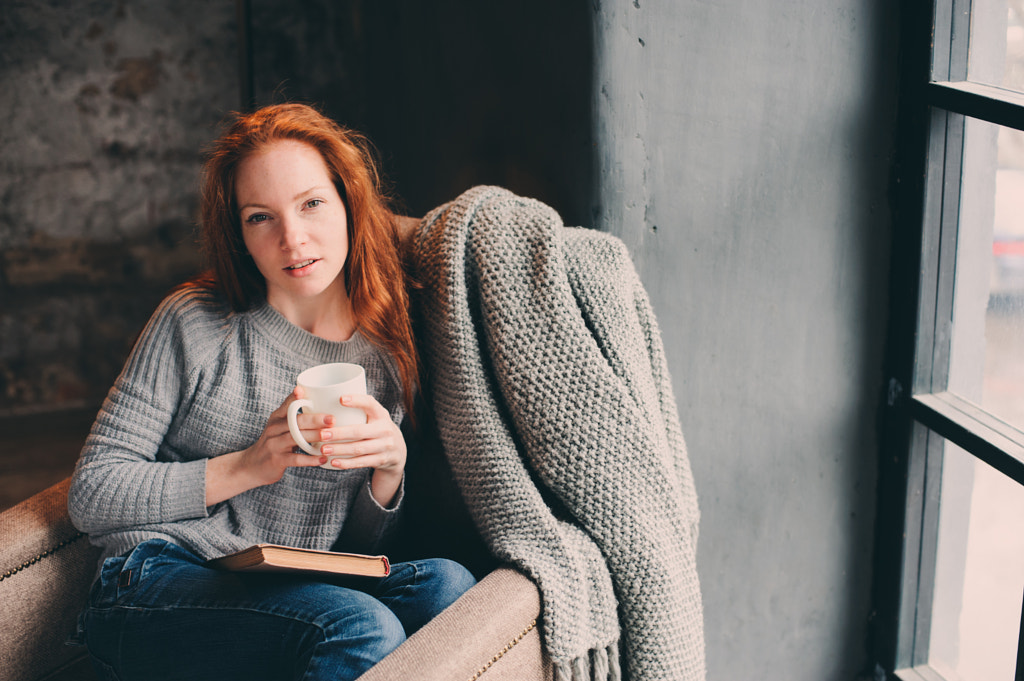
x,y
326,435
329,420
326,450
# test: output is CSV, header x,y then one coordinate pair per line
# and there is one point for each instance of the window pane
x,y
987,346
997,43
979,575
1003,392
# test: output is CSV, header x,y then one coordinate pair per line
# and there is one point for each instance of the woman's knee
x,y
379,626
421,589
447,579
357,615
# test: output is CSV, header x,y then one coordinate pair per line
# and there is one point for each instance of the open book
x,y
275,558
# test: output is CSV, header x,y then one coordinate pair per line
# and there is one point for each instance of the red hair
x,y
375,278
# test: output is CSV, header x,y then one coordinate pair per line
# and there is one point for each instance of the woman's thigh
x,y
159,613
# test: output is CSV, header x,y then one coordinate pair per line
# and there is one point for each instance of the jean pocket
x,y
120,575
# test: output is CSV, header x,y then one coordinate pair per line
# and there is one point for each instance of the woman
x,y
191,458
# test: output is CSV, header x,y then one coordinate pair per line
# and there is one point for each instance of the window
x,y
950,552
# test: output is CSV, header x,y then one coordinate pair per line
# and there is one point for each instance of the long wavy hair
x,y
376,281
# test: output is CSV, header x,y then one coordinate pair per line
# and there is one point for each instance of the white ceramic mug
x,y
324,385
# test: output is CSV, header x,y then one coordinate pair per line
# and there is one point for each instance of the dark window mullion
x,y
934,450
904,472
945,229
938,251
974,430
978,100
909,602
943,170
951,39
959,40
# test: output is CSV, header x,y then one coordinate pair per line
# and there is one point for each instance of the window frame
x,y
919,414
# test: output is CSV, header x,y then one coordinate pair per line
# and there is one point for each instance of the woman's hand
x,y
269,457
378,444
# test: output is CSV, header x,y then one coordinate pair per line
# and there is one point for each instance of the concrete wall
x,y
740,148
743,156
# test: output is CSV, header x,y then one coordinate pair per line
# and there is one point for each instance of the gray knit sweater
x,y
201,381
556,411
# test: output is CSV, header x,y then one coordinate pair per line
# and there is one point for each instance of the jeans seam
x,y
105,668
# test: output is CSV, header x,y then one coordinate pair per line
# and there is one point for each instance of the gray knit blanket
x,y
556,411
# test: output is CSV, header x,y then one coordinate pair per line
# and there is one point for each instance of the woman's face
x,y
293,224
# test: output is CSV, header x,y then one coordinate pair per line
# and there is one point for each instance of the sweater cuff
x,y
185,491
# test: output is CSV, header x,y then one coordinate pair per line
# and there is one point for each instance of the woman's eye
x,y
257,218
313,203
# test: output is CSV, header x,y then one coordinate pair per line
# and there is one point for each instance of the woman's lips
x,y
301,267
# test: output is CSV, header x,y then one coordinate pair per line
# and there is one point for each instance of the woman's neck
x,y
328,316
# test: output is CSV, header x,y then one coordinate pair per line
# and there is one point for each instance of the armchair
x,y
47,566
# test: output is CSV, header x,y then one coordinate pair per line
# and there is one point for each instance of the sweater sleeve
x,y
124,478
369,525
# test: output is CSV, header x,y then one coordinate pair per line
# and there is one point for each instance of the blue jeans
x,y
160,613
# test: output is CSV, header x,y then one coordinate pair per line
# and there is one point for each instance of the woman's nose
x,y
293,233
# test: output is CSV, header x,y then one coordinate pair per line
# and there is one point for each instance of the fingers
x,y
377,461
378,419
367,403
356,446
310,421
302,459
314,427
378,444
361,439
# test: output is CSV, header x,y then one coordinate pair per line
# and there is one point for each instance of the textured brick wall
x,y
104,108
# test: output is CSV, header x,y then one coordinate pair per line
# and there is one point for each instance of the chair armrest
x,y
46,568
491,629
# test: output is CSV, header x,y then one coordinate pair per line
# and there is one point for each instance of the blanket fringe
x,y
602,664
614,670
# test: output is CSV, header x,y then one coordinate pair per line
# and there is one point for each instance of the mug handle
x,y
293,411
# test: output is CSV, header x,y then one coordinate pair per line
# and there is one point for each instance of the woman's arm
x,y
118,481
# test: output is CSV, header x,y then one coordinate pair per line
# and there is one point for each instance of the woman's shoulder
x,y
189,328
195,299
194,313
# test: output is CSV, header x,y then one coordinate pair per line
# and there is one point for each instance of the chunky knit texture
x,y
556,411
201,381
